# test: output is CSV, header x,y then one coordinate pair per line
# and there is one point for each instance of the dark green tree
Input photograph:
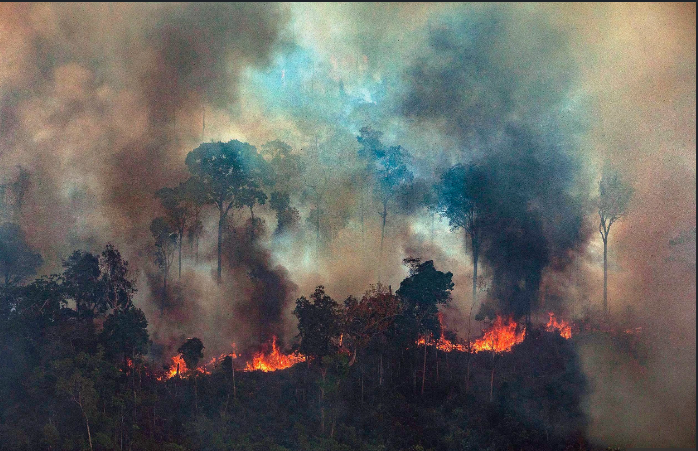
x,y
226,175
459,199
191,351
319,325
287,216
17,259
165,245
125,334
118,286
421,294
82,283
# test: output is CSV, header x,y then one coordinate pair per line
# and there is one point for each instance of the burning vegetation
x,y
460,153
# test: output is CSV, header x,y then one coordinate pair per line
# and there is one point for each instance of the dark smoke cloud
x,y
99,101
493,91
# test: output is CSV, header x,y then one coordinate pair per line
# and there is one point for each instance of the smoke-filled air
x,y
348,226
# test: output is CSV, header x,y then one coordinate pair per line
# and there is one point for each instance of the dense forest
x,y
376,372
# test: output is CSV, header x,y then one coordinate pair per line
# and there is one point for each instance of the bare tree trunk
x,y
221,221
87,421
252,228
383,215
424,365
492,377
181,235
605,275
475,258
164,291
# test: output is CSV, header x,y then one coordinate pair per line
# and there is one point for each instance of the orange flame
x,y
501,336
563,327
443,343
274,360
178,367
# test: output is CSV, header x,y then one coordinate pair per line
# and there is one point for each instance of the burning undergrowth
x,y
247,308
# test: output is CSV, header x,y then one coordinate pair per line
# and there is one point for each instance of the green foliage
x,y
318,324
125,334
60,377
459,195
191,351
17,259
225,171
421,294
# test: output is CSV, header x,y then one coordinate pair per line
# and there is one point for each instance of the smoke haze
x,y
101,103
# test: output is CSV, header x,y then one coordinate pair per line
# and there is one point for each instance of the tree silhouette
x,y
17,259
191,351
225,175
165,245
82,282
182,205
421,294
459,198
614,197
318,324
388,167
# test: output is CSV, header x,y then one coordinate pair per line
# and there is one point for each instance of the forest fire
x,y
562,326
274,360
178,367
443,343
501,336
261,361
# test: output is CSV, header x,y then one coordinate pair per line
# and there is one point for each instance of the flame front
x,y
563,327
443,343
177,367
274,360
501,336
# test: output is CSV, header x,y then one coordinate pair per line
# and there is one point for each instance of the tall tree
x,y
17,259
224,173
165,244
119,287
319,324
182,205
421,294
125,334
82,283
286,170
388,165
191,351
459,199
614,197
194,195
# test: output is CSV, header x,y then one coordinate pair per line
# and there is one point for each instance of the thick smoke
x,y
101,102
488,83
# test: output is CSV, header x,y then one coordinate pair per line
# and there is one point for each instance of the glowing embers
x,y
273,360
265,360
500,336
443,343
562,326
